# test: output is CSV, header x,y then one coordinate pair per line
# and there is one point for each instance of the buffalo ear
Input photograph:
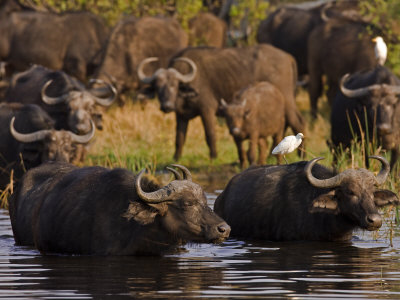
x,y
325,203
144,214
385,197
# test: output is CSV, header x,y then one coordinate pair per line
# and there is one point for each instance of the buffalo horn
x,y
52,100
142,77
384,172
187,77
321,183
357,92
28,137
83,139
159,196
185,171
175,172
108,101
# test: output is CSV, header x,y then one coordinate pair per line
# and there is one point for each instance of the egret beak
x,y
374,39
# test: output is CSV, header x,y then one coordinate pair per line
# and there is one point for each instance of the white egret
x,y
288,144
380,50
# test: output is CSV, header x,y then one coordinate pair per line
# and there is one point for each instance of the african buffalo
x,y
130,43
28,139
61,208
207,30
256,113
334,49
373,94
69,41
63,97
289,26
288,202
197,78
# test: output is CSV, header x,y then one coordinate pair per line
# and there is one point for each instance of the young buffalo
x,y
61,208
256,113
288,202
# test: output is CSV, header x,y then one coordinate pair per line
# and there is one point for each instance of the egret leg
x,y
285,159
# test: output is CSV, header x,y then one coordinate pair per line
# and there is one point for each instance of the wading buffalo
x,y
289,26
373,94
28,139
207,30
334,49
129,44
69,41
61,208
64,98
256,113
291,202
197,78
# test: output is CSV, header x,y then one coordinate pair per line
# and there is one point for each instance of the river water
x,y
368,267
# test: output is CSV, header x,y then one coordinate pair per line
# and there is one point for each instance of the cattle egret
x,y
380,50
288,144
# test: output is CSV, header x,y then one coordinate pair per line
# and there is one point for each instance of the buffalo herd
x,y
59,72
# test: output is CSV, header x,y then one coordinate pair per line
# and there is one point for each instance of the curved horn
x,y
321,183
357,92
108,101
83,139
175,172
51,100
323,15
384,172
142,77
28,137
159,196
223,102
191,75
185,171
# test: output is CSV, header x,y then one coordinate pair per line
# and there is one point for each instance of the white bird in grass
x,y
380,50
288,144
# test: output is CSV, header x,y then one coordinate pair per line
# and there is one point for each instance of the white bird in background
x,y
288,144
380,50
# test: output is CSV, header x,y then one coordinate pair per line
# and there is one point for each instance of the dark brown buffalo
x,y
336,48
69,41
61,208
368,104
133,40
197,78
256,113
205,29
63,97
288,202
289,26
28,138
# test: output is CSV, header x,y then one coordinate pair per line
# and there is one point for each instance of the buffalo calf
x,y
288,202
256,113
61,208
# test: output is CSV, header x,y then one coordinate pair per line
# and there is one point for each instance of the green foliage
x,y
385,14
247,15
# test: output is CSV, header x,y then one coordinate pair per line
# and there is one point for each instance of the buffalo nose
x,y
384,129
167,107
374,220
235,131
224,229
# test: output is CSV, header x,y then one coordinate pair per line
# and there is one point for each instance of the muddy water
x,y
365,268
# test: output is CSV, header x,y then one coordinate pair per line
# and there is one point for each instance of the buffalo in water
x,y
197,78
368,104
133,40
304,201
63,97
28,139
61,208
70,41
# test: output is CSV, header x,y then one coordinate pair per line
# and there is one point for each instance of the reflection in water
x,y
236,269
